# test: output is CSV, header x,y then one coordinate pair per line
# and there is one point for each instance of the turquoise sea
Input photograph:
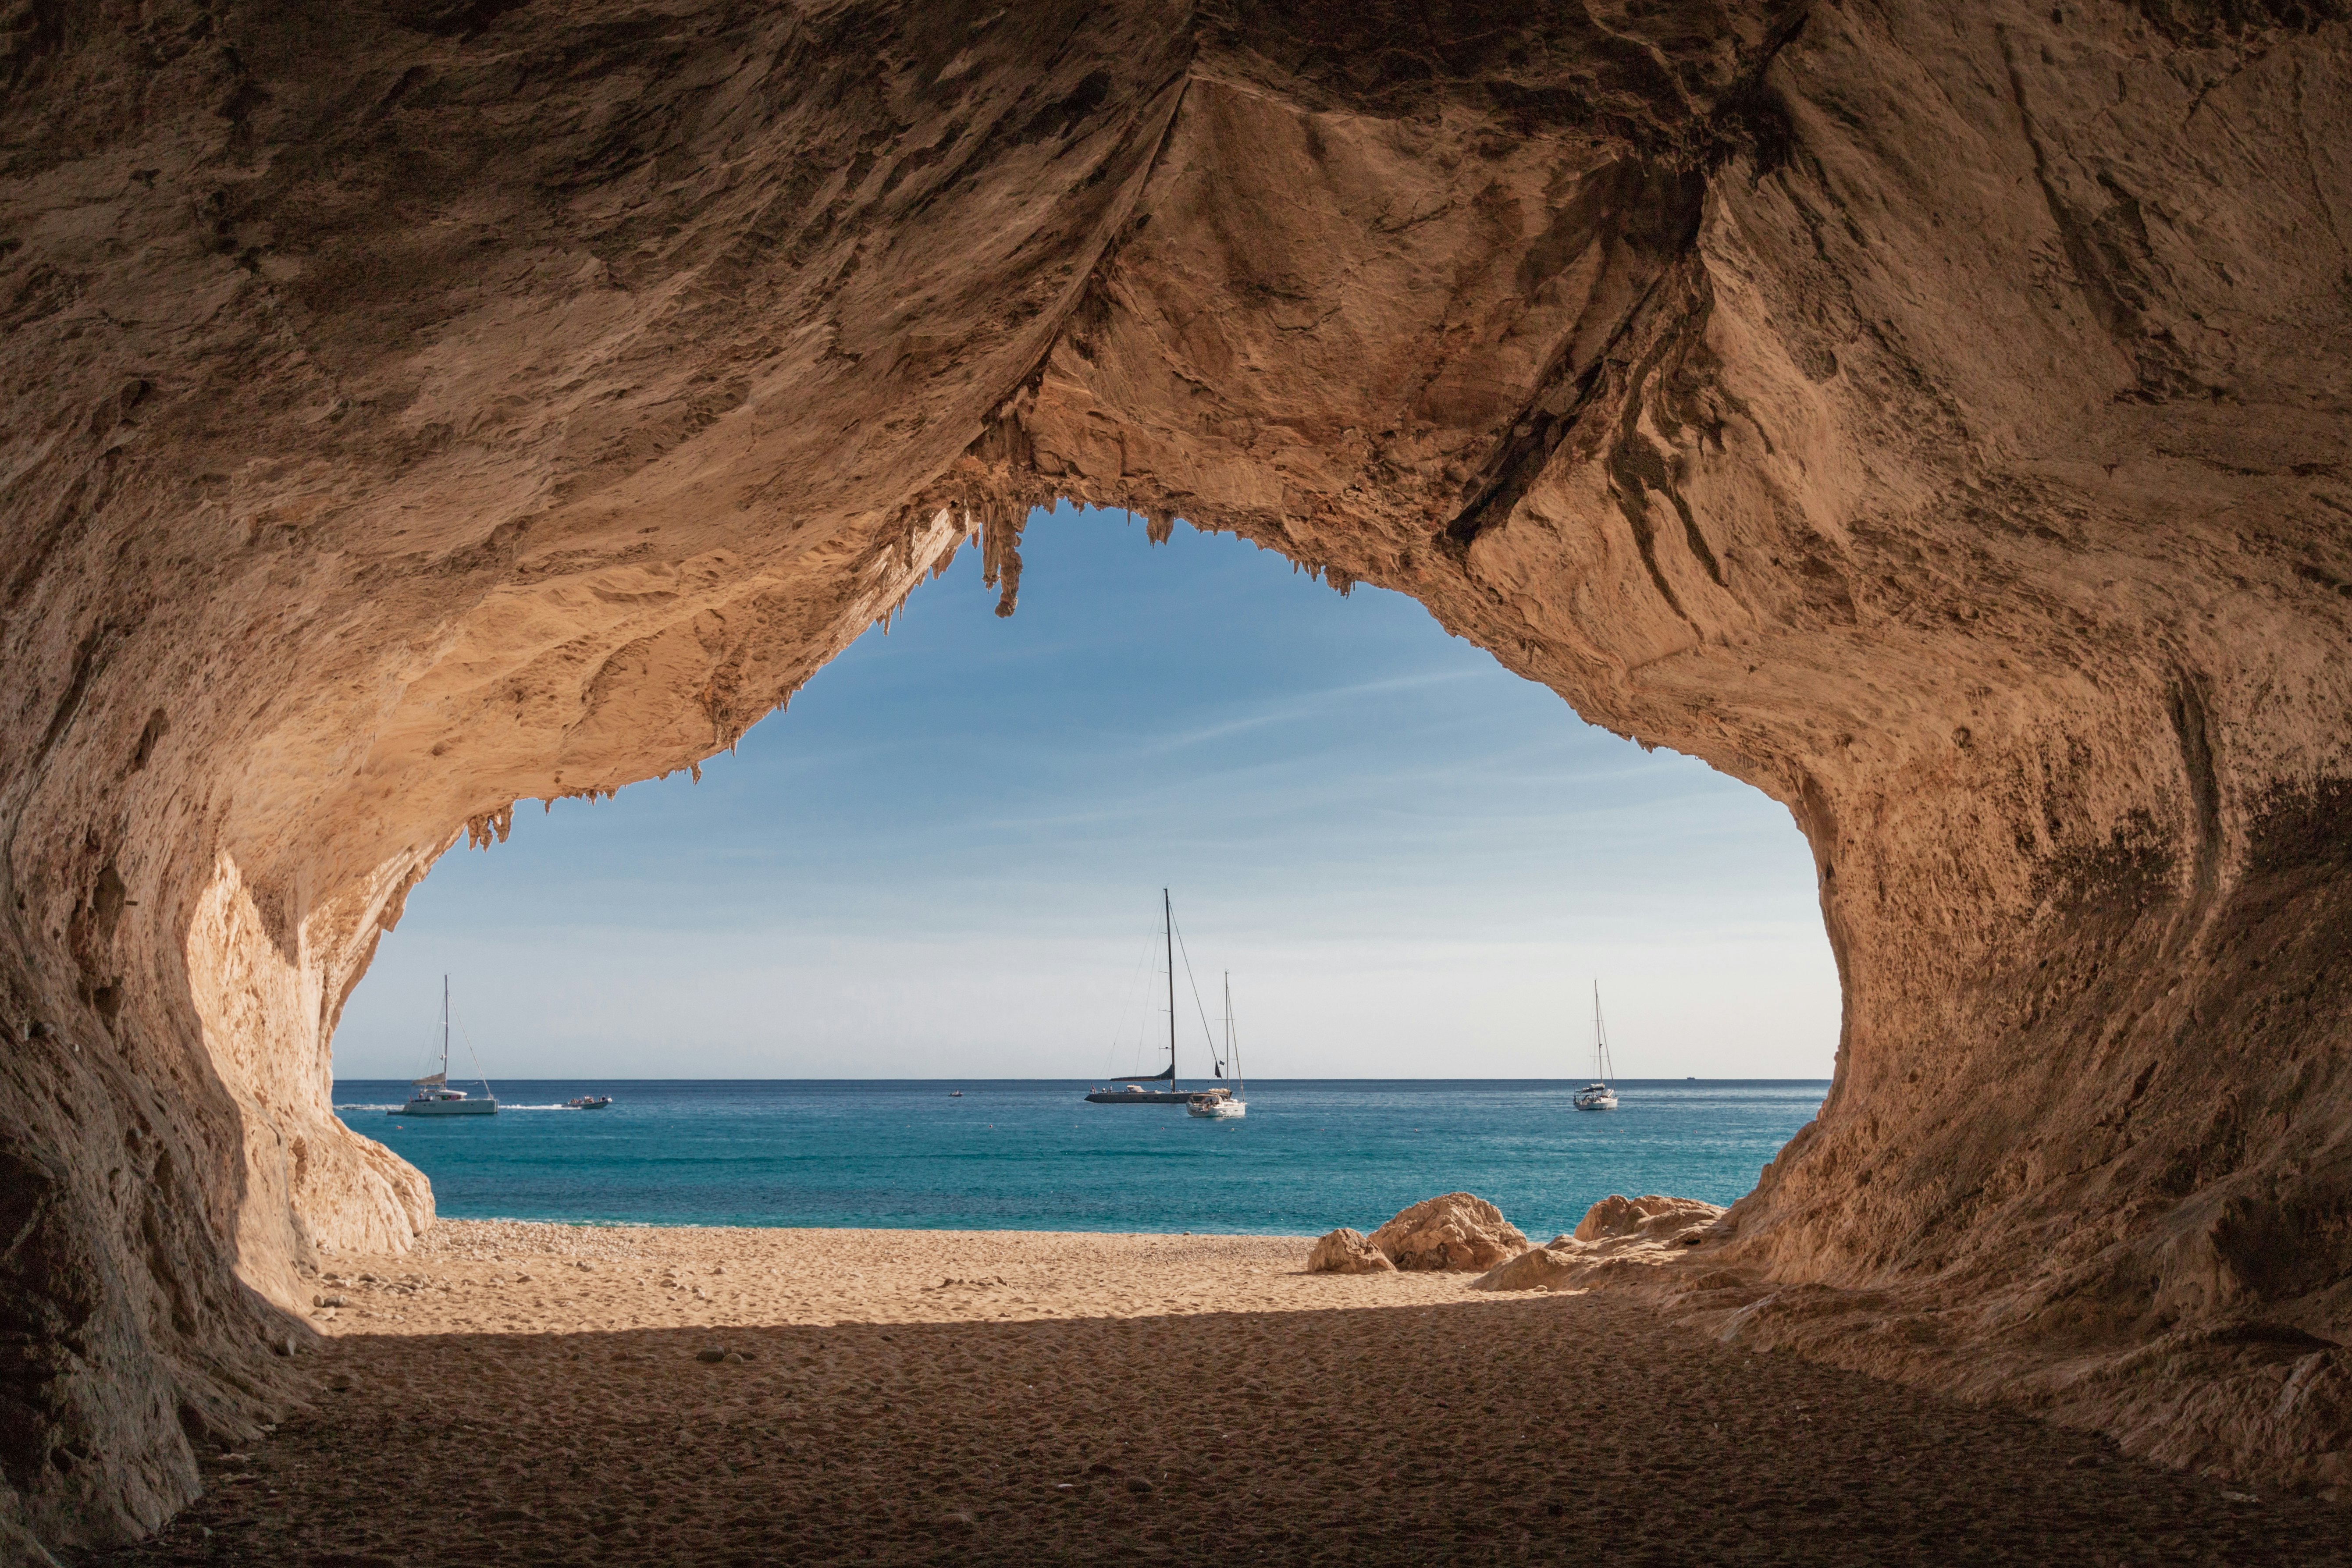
x,y
1031,1155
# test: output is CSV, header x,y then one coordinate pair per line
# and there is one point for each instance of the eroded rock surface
x,y
1645,1232
1456,1232
1651,1218
1345,1251
1935,416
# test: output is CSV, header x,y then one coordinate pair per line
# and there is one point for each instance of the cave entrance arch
x,y
1415,862
1934,421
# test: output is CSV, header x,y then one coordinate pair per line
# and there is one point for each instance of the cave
x,y
1934,418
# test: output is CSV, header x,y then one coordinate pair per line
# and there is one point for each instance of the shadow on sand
x,y
1546,1428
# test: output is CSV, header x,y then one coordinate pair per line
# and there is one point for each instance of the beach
x,y
545,1394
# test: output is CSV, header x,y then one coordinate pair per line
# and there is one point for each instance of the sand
x,y
519,1393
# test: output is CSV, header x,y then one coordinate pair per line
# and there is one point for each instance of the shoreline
x,y
542,1276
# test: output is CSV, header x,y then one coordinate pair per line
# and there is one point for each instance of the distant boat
x,y
1597,1095
955,1094
1224,1104
1135,1093
432,1096
589,1102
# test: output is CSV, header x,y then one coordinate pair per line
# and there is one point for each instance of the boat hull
x,y
448,1107
1143,1097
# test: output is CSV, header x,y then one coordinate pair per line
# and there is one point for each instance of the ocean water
x,y
1031,1155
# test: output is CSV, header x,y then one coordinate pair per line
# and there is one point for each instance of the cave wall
x,y
1935,420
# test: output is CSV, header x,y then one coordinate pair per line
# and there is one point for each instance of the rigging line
x,y
1215,1055
1143,1021
432,1047
480,1076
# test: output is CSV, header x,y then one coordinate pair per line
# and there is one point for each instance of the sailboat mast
x,y
1232,1047
444,1028
1168,917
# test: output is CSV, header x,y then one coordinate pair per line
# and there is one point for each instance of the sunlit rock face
x,y
1933,416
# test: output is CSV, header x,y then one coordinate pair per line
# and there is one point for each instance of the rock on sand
x,y
1651,1218
1615,1230
1456,1232
1345,1251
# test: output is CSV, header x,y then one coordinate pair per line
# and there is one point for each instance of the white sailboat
x,y
432,1096
1224,1104
1597,1095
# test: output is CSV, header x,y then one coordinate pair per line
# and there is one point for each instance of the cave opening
x,y
928,869
1932,419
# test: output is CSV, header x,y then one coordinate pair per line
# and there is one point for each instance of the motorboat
x,y
1597,1095
432,1096
589,1102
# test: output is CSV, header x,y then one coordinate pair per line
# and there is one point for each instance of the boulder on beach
x,y
1644,1230
1563,1261
1456,1232
1652,1218
1345,1251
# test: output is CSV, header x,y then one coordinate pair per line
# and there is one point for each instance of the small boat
x,y
432,1096
955,1094
1597,1095
589,1102
1224,1104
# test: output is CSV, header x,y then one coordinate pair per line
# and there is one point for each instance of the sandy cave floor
x,y
535,1393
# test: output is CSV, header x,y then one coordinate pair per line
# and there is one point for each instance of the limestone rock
x,y
1651,1218
1933,416
1561,1261
1616,1230
1456,1232
1345,1251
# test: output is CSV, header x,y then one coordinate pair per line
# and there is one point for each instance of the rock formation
x,y
1456,1232
1651,1218
1615,1233
1934,416
1345,1251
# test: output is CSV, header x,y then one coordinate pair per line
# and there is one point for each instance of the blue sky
x,y
945,860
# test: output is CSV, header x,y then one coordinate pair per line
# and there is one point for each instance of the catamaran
x,y
1597,1095
1223,1103
432,1096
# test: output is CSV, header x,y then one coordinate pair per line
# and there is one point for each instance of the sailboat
x,y
1597,1095
1135,1093
432,1096
1224,1104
